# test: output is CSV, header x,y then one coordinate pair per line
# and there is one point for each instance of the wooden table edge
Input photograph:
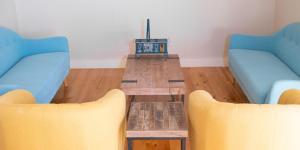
x,y
157,134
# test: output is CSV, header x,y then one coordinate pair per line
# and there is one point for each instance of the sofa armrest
x,y
202,96
238,41
17,97
199,101
279,87
290,97
46,45
198,109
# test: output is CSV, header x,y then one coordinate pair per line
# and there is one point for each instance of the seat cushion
x,y
256,72
41,74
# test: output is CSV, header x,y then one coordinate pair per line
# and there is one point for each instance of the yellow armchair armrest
x,y
290,97
17,97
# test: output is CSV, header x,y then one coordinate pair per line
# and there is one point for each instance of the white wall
x,y
287,11
8,16
101,32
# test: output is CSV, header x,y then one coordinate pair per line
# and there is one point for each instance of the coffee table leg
x,y
173,99
182,98
129,144
183,144
132,99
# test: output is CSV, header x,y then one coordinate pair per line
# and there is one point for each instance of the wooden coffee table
x,y
153,75
157,120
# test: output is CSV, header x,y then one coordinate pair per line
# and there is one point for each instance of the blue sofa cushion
x,y
256,71
41,74
9,49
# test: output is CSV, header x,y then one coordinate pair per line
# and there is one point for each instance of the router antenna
x,y
148,29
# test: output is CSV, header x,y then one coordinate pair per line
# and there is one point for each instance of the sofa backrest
x,y
288,46
10,52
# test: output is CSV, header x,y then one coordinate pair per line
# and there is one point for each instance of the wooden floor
x,y
90,84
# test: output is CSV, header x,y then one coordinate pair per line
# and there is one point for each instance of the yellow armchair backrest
x,y
95,125
225,126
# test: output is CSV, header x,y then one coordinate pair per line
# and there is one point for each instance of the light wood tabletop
x,y
153,75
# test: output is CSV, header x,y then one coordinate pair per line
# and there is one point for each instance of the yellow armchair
x,y
95,125
17,97
225,126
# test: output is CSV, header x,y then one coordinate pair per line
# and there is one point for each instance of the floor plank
x,y
90,84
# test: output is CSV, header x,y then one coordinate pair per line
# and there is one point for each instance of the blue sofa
x,y
37,65
265,66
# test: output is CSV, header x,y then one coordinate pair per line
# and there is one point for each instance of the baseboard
x,y
202,62
99,63
117,63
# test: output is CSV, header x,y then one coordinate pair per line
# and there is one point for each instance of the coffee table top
x,y
156,119
153,75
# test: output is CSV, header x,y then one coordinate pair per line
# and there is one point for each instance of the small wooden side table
x,y
157,121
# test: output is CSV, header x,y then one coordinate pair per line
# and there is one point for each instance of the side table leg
x,y
183,143
129,144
